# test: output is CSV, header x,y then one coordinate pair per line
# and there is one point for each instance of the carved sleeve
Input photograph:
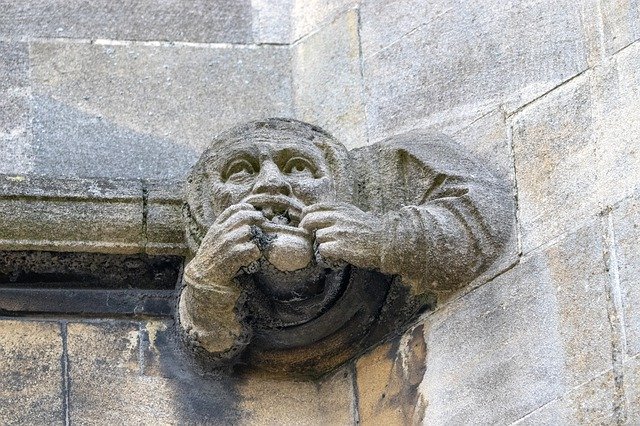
x,y
450,217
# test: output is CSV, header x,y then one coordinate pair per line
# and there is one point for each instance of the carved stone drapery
x,y
304,254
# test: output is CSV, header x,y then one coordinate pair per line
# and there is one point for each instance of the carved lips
x,y
279,209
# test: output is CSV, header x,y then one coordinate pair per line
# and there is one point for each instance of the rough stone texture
x,y
388,379
621,24
517,343
31,380
269,402
65,215
146,111
292,272
164,229
386,22
309,15
14,88
272,22
192,20
632,389
587,404
626,225
594,119
440,69
106,384
552,141
616,117
327,80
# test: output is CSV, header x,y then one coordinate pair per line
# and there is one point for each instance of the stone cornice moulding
x,y
94,215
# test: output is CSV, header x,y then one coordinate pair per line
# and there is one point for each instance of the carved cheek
x,y
225,195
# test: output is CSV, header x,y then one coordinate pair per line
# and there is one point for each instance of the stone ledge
x,y
113,216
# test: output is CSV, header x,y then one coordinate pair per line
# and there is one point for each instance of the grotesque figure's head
x,y
279,166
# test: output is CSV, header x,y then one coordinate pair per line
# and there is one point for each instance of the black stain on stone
x,y
201,395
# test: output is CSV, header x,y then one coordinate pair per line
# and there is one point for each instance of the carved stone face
x,y
277,176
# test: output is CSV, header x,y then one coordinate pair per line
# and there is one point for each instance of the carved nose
x,y
271,181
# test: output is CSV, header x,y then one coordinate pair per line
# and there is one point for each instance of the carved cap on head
x,y
198,210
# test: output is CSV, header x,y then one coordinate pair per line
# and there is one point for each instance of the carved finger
x,y
320,207
228,212
331,233
330,250
243,218
317,220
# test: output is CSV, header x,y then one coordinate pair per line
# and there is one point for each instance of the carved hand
x,y
344,232
226,248
208,301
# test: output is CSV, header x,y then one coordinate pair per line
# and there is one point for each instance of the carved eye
x,y
239,170
299,166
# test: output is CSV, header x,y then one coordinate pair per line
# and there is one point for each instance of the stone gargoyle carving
x,y
305,254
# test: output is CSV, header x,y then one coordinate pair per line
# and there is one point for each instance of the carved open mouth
x,y
278,209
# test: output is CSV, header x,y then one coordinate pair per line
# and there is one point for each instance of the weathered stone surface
x,y
14,90
267,402
164,227
592,120
517,343
621,24
553,142
64,215
309,15
616,116
327,80
385,22
632,389
192,20
146,111
588,404
31,378
388,379
106,382
272,21
626,225
292,270
441,68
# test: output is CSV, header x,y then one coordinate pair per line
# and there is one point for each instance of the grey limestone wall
x,y
546,92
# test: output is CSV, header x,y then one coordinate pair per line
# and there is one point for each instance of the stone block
x,y
554,159
388,378
146,110
588,404
191,20
385,22
327,80
272,22
310,15
14,89
626,227
616,116
266,401
106,385
31,377
621,24
71,215
517,342
441,69
632,389
164,224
